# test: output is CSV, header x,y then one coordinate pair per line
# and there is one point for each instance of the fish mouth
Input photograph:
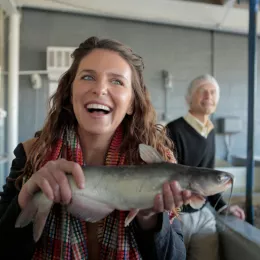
x,y
229,183
196,188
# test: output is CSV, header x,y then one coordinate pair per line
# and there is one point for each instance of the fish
x,y
126,188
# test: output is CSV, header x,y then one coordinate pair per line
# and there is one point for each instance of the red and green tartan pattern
x,y
65,236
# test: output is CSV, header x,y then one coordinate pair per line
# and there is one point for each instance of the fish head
x,y
207,182
202,181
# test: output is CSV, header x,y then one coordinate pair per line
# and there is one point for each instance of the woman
x,y
100,113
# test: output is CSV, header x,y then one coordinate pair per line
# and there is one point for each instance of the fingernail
x,y
159,197
175,183
82,185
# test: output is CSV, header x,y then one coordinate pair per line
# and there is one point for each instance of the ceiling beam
x,y
218,2
181,13
215,2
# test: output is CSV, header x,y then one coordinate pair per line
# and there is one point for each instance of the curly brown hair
x,y
140,127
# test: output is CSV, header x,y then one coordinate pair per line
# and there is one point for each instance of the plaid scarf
x,y
65,236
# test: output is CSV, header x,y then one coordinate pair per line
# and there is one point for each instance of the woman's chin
x,y
96,130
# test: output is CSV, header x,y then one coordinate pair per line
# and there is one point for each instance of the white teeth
x,y
98,106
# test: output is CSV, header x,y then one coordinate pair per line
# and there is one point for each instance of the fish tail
x,y
36,211
39,222
26,215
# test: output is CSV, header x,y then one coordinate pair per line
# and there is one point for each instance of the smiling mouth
x,y
95,110
98,109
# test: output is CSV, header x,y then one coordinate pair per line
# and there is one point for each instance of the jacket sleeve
x,y
13,240
163,243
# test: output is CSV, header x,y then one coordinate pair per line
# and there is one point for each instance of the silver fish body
x,y
129,187
126,188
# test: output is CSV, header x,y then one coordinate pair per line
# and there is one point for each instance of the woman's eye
x,y
87,77
117,82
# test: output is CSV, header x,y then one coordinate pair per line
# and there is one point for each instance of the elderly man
x,y
194,140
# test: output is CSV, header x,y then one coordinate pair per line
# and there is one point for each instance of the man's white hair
x,y
197,82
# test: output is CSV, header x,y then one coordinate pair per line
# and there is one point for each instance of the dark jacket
x,y
166,242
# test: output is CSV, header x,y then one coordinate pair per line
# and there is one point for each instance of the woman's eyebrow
x,y
118,75
87,70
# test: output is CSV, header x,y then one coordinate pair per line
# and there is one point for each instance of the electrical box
x,y
229,125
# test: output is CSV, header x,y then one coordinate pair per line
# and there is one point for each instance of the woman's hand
x,y
172,197
236,211
52,181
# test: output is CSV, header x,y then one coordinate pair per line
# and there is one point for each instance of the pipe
x,y
31,72
13,83
252,66
168,84
213,63
229,5
213,53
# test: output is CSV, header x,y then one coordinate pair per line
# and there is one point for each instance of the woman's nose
x,y
100,88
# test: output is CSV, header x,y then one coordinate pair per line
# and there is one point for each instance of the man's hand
x,y
236,211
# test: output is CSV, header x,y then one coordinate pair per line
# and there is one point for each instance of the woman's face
x,y
102,92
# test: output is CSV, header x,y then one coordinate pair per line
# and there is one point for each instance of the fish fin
x,y
149,154
197,201
37,212
131,215
26,215
40,220
88,208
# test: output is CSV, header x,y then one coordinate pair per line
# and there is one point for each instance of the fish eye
x,y
222,178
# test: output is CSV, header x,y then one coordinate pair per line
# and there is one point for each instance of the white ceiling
x,y
175,12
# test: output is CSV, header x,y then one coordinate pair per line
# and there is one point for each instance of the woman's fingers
x,y
58,170
168,197
52,181
43,185
64,187
186,195
158,203
172,196
176,193
74,169
49,174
